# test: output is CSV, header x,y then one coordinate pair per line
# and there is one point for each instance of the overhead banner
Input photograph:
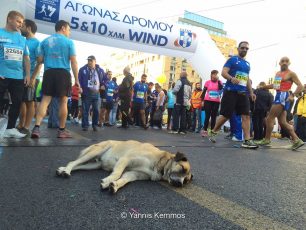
x,y
103,23
93,23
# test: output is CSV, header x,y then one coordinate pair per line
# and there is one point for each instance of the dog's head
x,y
178,172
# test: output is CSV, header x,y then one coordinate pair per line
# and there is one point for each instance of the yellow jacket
x,y
301,108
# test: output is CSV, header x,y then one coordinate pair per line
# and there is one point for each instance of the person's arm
x,y
298,83
27,67
161,97
39,62
75,70
177,87
225,74
250,89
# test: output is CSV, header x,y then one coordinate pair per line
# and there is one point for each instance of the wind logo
x,y
185,39
47,10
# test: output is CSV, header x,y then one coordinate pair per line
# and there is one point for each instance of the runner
x,y
235,97
282,84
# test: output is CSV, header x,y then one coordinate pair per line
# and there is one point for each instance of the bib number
x,y
13,53
242,77
277,82
213,94
110,92
140,94
91,83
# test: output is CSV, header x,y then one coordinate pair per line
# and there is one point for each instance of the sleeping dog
x,y
130,161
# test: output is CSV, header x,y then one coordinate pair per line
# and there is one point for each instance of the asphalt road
x,y
233,188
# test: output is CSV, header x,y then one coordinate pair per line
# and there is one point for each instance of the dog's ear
x,y
180,157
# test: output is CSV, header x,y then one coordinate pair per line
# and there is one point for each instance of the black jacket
x,y
264,100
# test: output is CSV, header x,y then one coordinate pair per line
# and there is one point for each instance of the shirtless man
x,y
282,84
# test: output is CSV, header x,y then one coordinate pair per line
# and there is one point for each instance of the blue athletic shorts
x,y
281,98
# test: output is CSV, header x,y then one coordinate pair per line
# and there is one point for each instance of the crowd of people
x,y
97,100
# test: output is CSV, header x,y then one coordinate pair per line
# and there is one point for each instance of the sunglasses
x,y
283,61
244,48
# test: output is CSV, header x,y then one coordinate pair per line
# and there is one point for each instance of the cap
x,y
91,57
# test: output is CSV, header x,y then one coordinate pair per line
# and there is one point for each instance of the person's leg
x,y
246,126
256,125
286,126
85,111
169,112
228,105
30,113
275,111
176,114
198,128
95,112
183,120
214,113
22,115
207,109
142,116
15,88
63,111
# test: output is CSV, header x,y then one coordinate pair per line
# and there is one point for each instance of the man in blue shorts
x,y
56,52
14,59
282,83
236,94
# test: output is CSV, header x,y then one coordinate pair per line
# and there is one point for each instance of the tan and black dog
x,y
131,161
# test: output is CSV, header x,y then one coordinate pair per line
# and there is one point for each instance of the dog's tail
x,y
96,149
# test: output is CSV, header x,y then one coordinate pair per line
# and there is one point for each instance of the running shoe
x,y
297,144
204,133
248,144
35,132
13,133
263,142
212,135
63,134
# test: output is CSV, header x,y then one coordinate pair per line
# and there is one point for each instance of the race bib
x,y
277,82
242,77
91,84
110,92
13,53
140,94
213,95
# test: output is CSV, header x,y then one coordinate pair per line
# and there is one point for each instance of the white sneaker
x,y
13,133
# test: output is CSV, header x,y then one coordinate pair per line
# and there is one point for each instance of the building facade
x,y
155,65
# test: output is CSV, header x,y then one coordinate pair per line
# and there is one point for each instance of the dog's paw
x,y
113,188
104,185
61,172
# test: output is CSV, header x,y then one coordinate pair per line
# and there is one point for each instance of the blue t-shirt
x,y
139,92
57,50
33,45
111,86
12,50
171,99
238,68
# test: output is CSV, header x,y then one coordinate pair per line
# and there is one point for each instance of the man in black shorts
x,y
27,109
236,94
56,52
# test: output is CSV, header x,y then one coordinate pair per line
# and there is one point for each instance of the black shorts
x,y
28,94
139,106
56,83
103,103
109,105
233,101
